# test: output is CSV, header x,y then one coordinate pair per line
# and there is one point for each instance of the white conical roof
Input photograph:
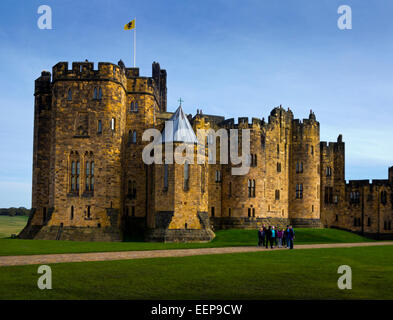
x,y
182,129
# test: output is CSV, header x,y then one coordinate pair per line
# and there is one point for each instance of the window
x,y
278,148
299,191
133,211
229,212
99,94
69,96
165,177
384,196
212,212
328,195
312,150
369,222
354,197
253,160
134,106
186,175
336,217
277,194
249,212
278,167
72,213
88,212
299,167
131,189
113,124
253,212
89,185
99,127
251,188
75,172
357,222
95,95
218,176
328,171
134,137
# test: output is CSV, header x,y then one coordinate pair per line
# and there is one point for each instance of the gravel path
x,y
127,255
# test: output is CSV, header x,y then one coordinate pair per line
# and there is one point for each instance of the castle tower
x,y
304,193
180,188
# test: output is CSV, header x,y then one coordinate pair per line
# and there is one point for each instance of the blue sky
x,y
233,58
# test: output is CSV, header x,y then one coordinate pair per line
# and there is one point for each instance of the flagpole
x,y
135,43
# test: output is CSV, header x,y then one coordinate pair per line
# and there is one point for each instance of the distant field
x,y
224,238
11,225
284,274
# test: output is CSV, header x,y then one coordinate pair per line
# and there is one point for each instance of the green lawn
x,y
11,225
288,274
224,238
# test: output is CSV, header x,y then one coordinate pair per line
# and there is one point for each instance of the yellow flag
x,y
130,25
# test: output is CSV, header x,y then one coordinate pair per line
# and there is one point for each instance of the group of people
x,y
276,237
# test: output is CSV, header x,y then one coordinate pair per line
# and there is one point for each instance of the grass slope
x,y
224,238
11,225
289,274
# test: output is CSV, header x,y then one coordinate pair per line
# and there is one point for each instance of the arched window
x,y
165,177
69,96
78,169
186,175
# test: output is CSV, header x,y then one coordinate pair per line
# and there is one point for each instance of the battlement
x,y
332,147
42,84
85,71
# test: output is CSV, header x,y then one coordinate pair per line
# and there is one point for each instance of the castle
x,y
90,183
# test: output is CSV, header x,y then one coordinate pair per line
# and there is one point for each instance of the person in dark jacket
x,y
269,237
290,237
263,235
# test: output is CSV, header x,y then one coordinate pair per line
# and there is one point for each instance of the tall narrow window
x,y
88,212
299,191
99,127
165,177
186,175
253,212
249,212
218,176
249,189
113,124
99,94
312,150
132,106
95,93
212,212
278,148
277,194
134,137
92,176
278,167
73,176
69,97
253,188
136,107
87,184
78,168
72,213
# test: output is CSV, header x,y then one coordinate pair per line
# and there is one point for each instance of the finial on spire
x,y
180,101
